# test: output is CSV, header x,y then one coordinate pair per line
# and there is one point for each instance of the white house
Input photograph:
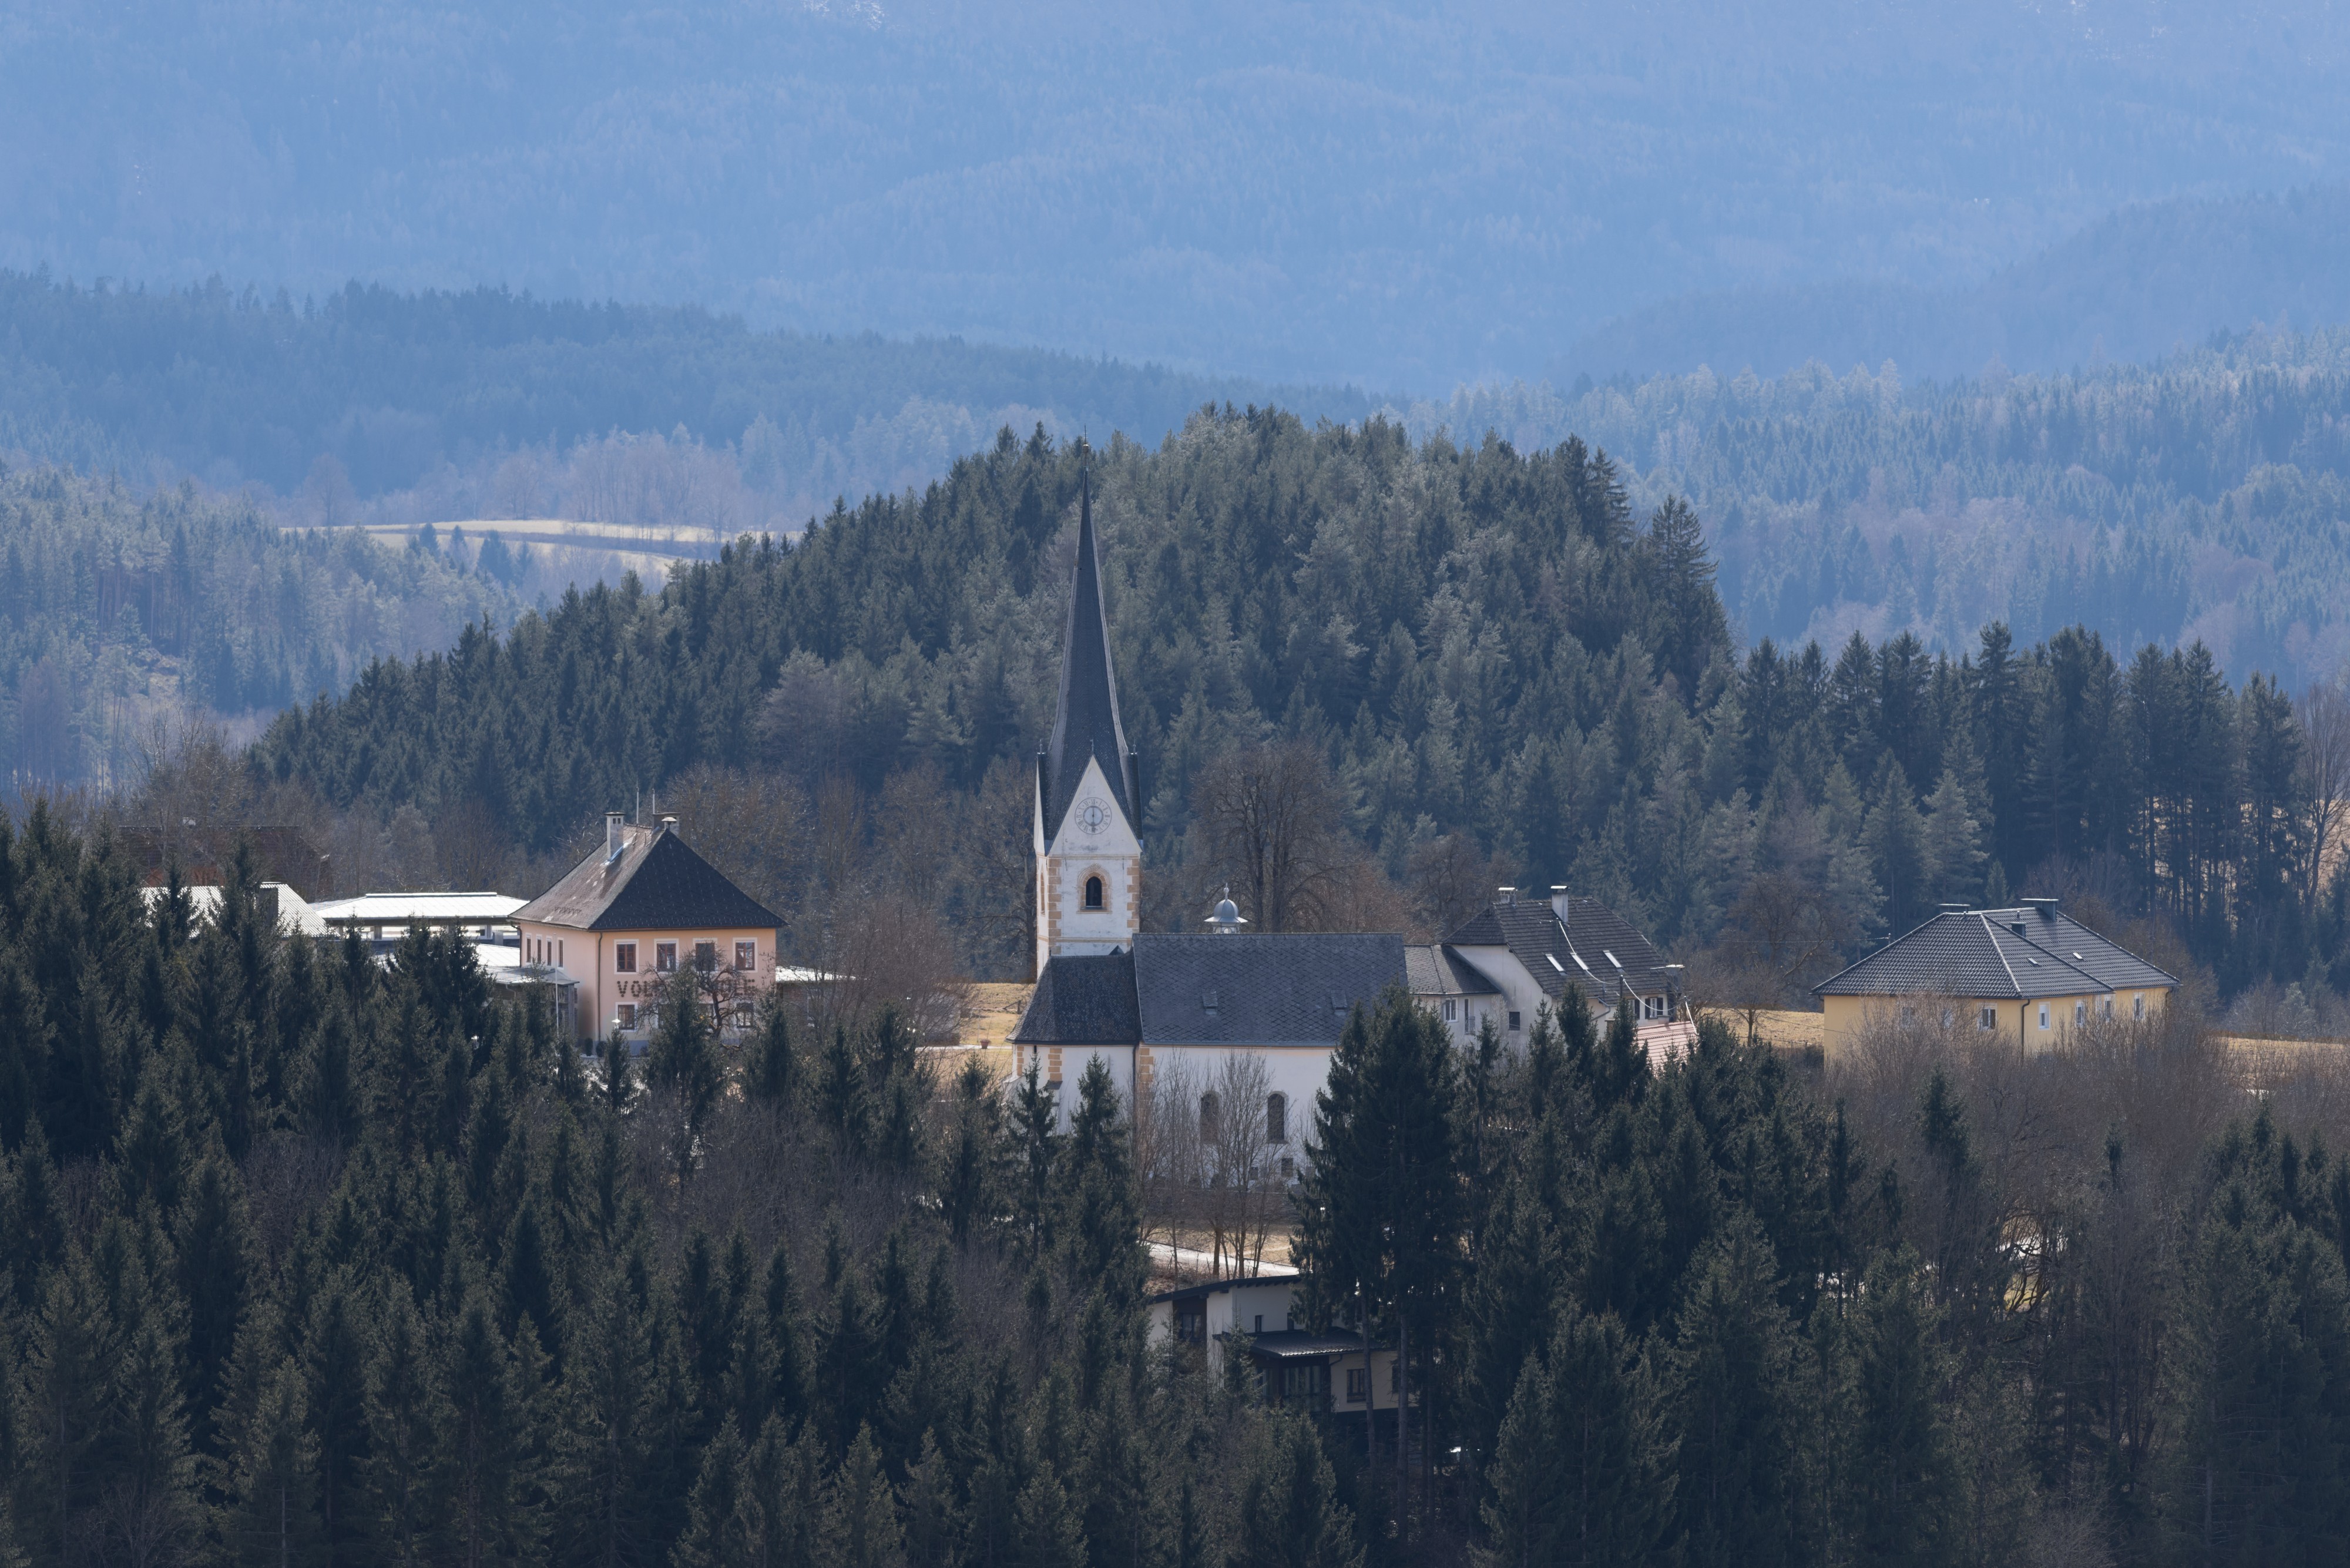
x,y
1335,1371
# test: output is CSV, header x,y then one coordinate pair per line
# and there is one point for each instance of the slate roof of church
x,y
656,884
1980,952
1082,1000
1556,954
1272,988
1264,989
1086,723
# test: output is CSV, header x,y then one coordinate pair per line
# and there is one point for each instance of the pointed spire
x,y
1086,724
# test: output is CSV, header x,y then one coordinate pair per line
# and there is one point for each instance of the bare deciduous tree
x,y
1211,1169
1453,878
1273,820
2324,784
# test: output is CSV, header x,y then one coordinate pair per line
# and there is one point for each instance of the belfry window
x,y
1093,892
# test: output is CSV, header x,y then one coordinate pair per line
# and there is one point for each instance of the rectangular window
x,y
2138,1005
1652,1007
1987,1018
1448,1012
2105,1007
746,955
665,958
2043,1015
558,951
1515,1022
1259,1325
705,956
1949,1016
624,957
628,1016
2080,1012
1358,1385
1909,1015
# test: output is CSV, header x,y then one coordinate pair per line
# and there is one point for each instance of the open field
x,y
568,552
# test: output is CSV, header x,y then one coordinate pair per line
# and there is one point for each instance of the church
x,y
1141,1001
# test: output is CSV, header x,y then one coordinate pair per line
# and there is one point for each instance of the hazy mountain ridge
x,y
2137,285
1402,196
433,392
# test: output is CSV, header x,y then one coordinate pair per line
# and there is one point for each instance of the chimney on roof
x,y
1952,909
1509,895
2047,906
615,840
669,824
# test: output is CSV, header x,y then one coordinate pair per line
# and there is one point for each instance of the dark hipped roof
x,y
1273,988
1556,953
1086,724
656,884
1436,970
1980,952
1082,1000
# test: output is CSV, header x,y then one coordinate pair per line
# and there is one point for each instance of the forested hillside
x,y
2199,498
1489,651
308,1261
121,611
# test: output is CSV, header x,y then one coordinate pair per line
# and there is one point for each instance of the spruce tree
x,y
717,1529
272,1518
1290,1516
1733,1370
408,1420
926,1501
773,1072
71,1363
1898,1467
861,1528
333,1397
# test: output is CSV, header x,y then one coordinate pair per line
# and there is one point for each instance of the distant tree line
x,y
399,390
1492,670
2191,498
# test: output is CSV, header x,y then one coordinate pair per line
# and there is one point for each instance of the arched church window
x,y
1093,892
1276,1118
1211,1116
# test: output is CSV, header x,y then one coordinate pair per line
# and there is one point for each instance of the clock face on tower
x,y
1093,815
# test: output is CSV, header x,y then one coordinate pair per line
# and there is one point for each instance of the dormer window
x,y
1093,892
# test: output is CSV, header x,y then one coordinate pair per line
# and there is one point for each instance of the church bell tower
x,y
1089,786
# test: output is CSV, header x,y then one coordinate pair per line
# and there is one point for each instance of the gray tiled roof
x,y
656,884
1433,969
2029,951
1086,724
1270,989
1577,950
1082,1000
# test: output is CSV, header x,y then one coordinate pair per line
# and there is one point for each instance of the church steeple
x,y
1089,786
1086,725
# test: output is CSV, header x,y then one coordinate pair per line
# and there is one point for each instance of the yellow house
x,y
624,922
2028,975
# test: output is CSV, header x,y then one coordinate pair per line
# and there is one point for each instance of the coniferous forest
x,y
307,1259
